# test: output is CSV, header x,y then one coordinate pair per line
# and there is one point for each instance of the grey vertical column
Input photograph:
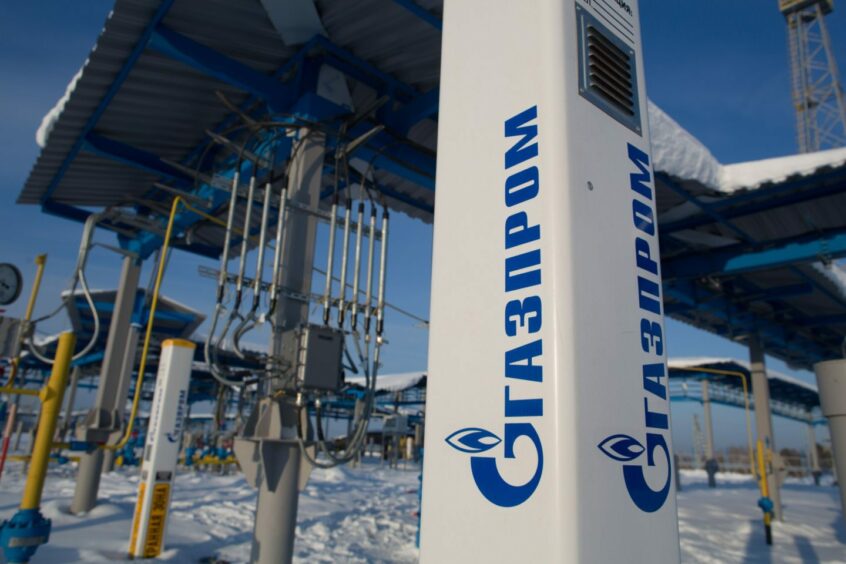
x,y
763,415
267,448
711,466
813,455
105,417
74,384
126,370
831,381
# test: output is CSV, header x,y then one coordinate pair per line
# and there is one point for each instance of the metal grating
x,y
607,71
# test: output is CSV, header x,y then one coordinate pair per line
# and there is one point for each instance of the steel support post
x,y
105,419
831,380
267,448
127,368
813,455
764,418
74,383
711,466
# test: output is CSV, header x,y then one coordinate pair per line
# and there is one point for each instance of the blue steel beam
x,y
735,260
422,107
707,209
113,89
138,158
383,151
823,321
773,294
212,63
329,170
794,345
763,199
421,13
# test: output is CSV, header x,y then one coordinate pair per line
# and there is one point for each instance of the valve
x,y
21,535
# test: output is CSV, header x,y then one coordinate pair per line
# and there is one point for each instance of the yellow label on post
x,y
156,523
136,519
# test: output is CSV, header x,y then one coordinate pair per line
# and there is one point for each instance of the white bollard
x,y
548,436
161,449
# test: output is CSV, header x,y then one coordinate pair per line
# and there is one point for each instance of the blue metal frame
x,y
740,258
739,322
421,13
138,158
762,199
277,94
92,120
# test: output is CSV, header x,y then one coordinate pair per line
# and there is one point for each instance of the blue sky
x,y
720,68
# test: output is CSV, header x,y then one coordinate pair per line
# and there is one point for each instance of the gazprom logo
x,y
652,370
523,320
490,482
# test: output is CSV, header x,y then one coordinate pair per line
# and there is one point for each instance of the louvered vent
x,y
608,73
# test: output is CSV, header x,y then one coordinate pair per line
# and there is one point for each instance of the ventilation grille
x,y
607,71
610,72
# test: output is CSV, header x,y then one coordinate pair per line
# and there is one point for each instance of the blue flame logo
x,y
621,447
473,440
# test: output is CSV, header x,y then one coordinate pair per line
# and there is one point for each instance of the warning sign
x,y
156,523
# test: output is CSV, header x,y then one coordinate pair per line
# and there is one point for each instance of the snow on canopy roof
x,y
42,134
743,365
676,152
391,382
752,174
790,397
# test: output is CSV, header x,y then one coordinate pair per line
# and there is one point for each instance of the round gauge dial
x,y
10,283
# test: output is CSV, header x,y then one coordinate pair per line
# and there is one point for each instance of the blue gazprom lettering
x,y
653,370
522,367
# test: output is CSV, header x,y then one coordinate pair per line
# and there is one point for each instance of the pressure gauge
x,y
10,283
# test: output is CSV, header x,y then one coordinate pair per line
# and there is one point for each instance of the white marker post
x,y
548,436
161,449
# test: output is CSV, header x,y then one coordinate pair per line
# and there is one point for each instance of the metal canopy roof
x,y
759,260
173,321
734,263
789,397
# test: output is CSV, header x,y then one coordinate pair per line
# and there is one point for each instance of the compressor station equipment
x,y
277,208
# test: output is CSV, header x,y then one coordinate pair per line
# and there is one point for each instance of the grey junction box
x,y
319,355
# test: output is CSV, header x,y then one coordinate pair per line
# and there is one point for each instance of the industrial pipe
x,y
748,410
7,435
177,201
21,536
40,262
765,503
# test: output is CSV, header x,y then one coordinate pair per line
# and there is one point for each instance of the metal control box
x,y
319,351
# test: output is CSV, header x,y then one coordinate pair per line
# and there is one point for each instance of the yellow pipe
x,y
51,404
20,391
40,262
748,410
28,457
763,484
151,318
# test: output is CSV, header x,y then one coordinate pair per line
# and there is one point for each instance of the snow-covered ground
x,y
367,514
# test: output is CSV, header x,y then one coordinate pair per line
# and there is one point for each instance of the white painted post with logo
x,y
161,448
548,434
